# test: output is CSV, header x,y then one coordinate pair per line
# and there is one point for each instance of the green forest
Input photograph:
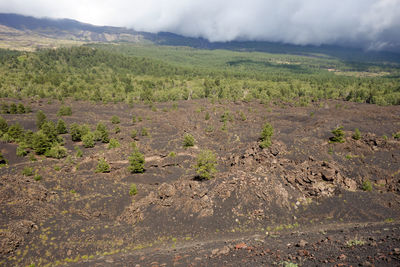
x,y
132,72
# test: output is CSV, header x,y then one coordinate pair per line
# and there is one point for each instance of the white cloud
x,y
370,23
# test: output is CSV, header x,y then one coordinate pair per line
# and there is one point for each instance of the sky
x,y
370,24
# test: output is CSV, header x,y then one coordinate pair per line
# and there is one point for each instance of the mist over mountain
x,y
367,24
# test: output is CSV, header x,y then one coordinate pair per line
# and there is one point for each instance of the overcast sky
x,y
368,23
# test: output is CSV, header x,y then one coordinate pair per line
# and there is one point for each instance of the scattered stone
x,y
302,243
240,246
342,257
396,251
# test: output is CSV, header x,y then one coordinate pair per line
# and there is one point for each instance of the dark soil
x,y
298,202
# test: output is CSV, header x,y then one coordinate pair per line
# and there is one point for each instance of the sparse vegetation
x,y
40,119
206,164
61,127
144,132
356,135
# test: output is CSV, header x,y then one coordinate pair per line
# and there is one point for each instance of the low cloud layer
x,y
371,24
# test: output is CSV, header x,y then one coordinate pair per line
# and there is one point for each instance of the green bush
x,y
21,150
206,164
88,140
37,177
13,108
64,111
113,143
188,140
79,152
144,132
266,135
56,152
103,166
21,109
133,189
27,171
357,134
117,130
75,131
3,126
40,143
15,132
226,116
396,135
133,134
40,119
61,127
50,131
367,186
133,119
136,162
5,108
338,135
115,120
207,116
3,161
102,129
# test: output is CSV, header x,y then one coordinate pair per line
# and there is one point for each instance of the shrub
x,y
79,152
103,166
56,152
103,132
5,108
207,116
21,109
396,135
40,119
40,143
367,186
3,126
15,132
188,140
27,171
133,119
75,132
88,140
3,161
50,131
266,135
13,108
133,189
64,111
226,116
144,132
117,130
61,127
133,133
357,134
242,116
136,162
115,120
338,135
113,143
206,164
37,177
78,131
21,150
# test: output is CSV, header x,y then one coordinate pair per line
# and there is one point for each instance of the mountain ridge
x,y
28,33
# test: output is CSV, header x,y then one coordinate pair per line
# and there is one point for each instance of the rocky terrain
x,y
302,201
